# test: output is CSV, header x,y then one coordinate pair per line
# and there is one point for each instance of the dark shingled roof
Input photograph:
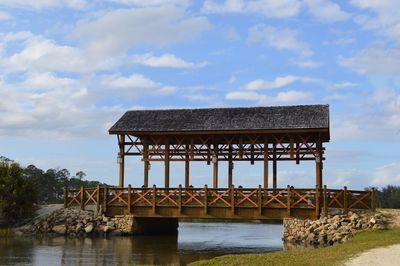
x,y
227,119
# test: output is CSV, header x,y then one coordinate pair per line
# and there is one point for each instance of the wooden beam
x,y
230,168
121,158
266,165
166,162
146,165
319,148
215,167
187,169
274,171
291,148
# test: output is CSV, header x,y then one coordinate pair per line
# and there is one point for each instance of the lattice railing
x,y
280,198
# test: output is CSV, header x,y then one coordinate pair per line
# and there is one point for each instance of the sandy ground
x,y
385,256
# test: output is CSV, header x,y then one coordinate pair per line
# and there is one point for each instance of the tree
x,y
17,194
81,175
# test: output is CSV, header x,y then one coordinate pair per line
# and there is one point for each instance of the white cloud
x,y
136,85
232,79
4,16
60,111
150,2
40,4
165,60
38,54
386,19
326,10
306,63
278,82
262,99
116,31
386,175
292,96
344,85
267,8
374,60
279,38
243,95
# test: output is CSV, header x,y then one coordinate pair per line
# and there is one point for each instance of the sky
x,y
70,68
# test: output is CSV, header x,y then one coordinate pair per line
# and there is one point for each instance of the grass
x,y
333,255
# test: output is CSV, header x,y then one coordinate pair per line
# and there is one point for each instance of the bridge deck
x,y
224,203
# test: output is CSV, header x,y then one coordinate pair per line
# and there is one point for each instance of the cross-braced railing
x,y
231,200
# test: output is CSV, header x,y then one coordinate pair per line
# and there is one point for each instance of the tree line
x,y
22,188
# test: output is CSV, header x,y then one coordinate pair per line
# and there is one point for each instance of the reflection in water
x,y
195,241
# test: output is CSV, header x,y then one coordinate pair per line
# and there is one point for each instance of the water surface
x,y
195,241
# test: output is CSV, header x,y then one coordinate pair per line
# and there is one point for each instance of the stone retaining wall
x,y
329,230
76,223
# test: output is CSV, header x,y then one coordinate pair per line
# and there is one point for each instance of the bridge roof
x,y
300,117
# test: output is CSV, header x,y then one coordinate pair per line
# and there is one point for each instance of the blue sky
x,y
70,69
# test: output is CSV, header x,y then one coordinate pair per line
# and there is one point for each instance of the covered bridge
x,y
265,134
268,134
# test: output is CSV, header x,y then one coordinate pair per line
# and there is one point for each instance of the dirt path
x,y
386,256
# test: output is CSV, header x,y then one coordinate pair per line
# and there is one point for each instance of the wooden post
x,y
266,165
129,199
82,198
98,198
345,200
291,148
205,199
232,199
187,169
274,171
65,197
180,199
319,166
154,198
105,199
252,154
259,203
297,154
289,201
121,158
373,199
146,165
166,172
230,167
215,167
325,201
317,202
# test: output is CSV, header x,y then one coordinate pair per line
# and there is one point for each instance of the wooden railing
x,y
289,199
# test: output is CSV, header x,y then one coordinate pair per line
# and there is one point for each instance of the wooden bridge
x,y
264,135
226,203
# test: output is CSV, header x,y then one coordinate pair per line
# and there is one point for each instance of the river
x,y
195,241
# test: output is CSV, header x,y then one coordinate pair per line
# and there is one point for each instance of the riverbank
x,y
332,255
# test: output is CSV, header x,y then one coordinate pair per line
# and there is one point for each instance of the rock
x,y
59,229
89,228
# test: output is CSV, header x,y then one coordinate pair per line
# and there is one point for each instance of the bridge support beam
x,y
166,170
187,169
215,166
146,166
155,226
274,172
121,159
266,165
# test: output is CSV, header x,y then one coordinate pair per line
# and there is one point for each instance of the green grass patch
x,y
322,256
